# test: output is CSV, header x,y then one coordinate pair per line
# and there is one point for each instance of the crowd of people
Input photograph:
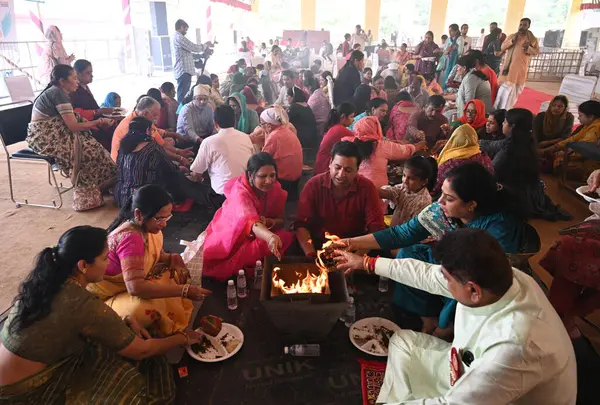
x,y
470,182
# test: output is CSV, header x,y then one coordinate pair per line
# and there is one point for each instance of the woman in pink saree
x,y
249,225
53,54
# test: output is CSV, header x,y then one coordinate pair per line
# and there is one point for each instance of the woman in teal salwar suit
x,y
470,199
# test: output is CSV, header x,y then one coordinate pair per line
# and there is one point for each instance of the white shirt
x,y
464,44
225,156
522,352
359,39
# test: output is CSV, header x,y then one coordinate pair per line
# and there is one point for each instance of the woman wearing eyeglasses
x,y
142,280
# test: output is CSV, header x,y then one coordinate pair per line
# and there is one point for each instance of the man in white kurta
x,y
515,349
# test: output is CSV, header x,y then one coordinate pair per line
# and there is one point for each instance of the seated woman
x,y
56,131
302,118
362,96
339,119
142,161
413,195
254,99
588,131
85,104
376,107
470,199
246,119
319,102
60,344
367,76
433,87
141,279
474,115
492,131
378,88
462,147
376,151
400,116
112,100
282,143
249,225
390,85
573,262
474,85
169,94
516,166
163,118
555,124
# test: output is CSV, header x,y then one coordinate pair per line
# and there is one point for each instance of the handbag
x,y
87,198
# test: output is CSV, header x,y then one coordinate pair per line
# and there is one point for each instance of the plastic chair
x,y
14,119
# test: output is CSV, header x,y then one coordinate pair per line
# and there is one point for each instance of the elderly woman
x,y
462,147
302,118
57,131
319,101
53,54
429,50
376,151
249,225
142,280
246,119
474,115
554,124
60,344
86,106
195,121
283,144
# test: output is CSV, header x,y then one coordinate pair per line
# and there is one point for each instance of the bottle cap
x,y
286,350
241,272
230,282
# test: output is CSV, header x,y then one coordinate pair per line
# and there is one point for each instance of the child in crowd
x,y
412,196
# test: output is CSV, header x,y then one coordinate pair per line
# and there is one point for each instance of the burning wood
x,y
311,283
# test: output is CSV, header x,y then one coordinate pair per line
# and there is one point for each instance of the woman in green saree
x,y
61,344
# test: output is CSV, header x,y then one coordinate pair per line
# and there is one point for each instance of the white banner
x,y
8,24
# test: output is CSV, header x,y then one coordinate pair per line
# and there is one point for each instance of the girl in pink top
x,y
377,151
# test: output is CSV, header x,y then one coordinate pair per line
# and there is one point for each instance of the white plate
x,y
584,189
228,332
365,327
428,59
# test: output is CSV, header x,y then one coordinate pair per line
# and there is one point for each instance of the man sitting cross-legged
x,y
339,201
509,347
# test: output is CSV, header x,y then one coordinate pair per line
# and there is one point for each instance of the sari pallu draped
x,y
78,155
230,245
95,376
167,315
85,105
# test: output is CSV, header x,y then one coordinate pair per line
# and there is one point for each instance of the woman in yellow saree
x,y
141,279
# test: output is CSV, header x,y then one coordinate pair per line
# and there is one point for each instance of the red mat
x,y
371,375
532,99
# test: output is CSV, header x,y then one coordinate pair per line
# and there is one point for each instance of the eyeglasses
x,y
162,220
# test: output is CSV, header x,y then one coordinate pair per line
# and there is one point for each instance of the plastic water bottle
x,y
231,295
383,284
258,275
242,289
303,350
350,317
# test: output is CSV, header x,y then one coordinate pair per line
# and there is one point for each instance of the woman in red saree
x,y
249,225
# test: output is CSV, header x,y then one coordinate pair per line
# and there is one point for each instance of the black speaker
x,y
160,47
553,39
158,15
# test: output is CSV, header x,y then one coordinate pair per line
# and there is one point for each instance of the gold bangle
x,y
185,290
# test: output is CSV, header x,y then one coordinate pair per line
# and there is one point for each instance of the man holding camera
x,y
184,67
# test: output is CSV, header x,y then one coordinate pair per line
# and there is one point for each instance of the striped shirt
x,y
182,55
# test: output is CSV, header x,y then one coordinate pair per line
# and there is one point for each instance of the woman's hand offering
x,y
196,293
345,244
348,262
594,180
193,336
275,245
420,145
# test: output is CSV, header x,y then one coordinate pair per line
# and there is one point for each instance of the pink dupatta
x,y
229,244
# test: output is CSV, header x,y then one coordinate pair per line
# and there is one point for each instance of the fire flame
x,y
311,283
